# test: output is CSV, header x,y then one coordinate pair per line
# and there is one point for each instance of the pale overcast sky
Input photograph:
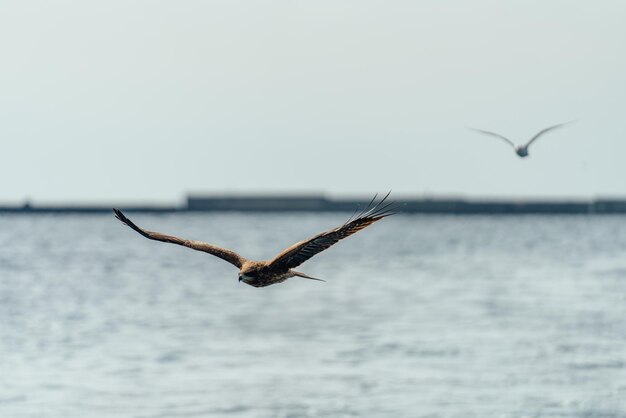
x,y
147,100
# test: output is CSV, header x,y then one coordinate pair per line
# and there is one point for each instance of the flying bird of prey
x,y
521,150
279,269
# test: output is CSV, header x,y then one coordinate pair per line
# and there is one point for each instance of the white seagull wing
x,y
494,134
543,131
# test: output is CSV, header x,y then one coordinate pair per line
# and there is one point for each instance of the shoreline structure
x,y
321,203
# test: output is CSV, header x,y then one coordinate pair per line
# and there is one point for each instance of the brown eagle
x,y
265,273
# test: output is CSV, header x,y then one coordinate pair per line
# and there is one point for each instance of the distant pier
x,y
320,203
414,205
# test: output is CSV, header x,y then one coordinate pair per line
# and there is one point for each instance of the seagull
x,y
279,269
522,150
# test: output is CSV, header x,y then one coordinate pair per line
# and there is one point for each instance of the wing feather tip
x,y
120,216
118,213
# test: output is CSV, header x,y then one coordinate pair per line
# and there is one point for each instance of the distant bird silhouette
x,y
279,269
522,150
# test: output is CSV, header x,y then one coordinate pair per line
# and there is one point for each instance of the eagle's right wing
x,y
227,255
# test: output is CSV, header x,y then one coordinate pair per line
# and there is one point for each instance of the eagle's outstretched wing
x,y
543,131
496,135
303,250
227,255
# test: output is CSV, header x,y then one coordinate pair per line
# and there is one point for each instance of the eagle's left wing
x,y
303,250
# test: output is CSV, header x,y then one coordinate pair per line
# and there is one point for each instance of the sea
x,y
420,316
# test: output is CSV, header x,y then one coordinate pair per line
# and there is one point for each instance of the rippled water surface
x,y
421,316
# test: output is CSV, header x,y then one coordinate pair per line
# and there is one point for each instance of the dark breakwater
x,y
313,203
